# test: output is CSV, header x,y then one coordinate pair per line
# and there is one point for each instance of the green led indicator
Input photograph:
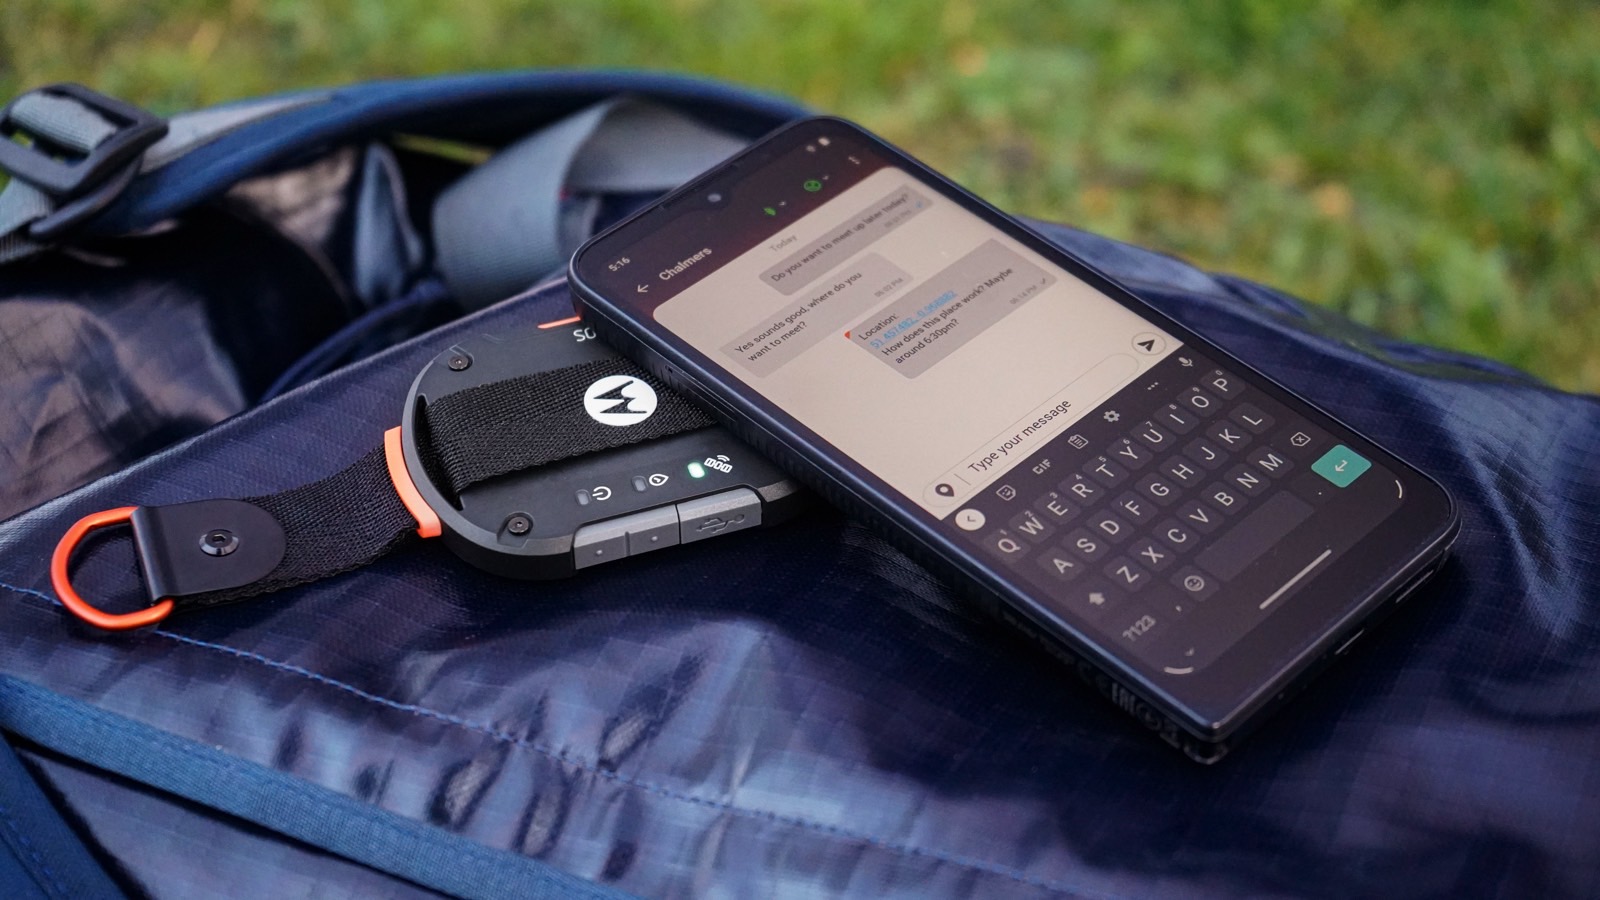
x,y
813,185
769,210
696,470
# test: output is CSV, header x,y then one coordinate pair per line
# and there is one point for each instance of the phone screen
x,y
1143,487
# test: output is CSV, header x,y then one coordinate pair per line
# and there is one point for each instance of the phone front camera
x,y
713,198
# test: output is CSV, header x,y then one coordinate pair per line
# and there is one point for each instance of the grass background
x,y
1431,169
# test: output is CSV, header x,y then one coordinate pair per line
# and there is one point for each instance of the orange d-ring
x,y
69,597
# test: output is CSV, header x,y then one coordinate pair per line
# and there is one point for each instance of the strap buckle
x,y
83,179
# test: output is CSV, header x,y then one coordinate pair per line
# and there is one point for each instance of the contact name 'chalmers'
x,y
670,271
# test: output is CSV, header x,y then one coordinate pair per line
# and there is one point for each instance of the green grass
x,y
1431,169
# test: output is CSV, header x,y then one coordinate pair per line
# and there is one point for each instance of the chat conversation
x,y
819,312
842,241
951,308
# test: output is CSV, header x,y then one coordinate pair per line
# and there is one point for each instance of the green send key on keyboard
x,y
1341,465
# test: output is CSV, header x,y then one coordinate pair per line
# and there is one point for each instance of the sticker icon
x,y
1006,492
619,400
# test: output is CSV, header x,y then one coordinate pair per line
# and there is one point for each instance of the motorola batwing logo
x,y
619,400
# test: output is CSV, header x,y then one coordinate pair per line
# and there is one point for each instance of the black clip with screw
x,y
208,545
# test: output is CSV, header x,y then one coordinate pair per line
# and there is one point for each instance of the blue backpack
x,y
233,302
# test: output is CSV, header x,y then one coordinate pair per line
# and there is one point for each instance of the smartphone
x,y
1193,537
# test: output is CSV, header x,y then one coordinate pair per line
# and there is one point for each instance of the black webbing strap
x,y
353,517
330,527
507,426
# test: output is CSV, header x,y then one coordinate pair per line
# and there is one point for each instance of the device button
x,y
707,517
651,529
600,542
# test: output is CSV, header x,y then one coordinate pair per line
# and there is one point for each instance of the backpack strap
x,y
503,226
195,157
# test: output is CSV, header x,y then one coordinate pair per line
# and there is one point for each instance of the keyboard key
x,y
1301,440
1201,451
1176,536
1256,533
1199,401
1270,461
1126,575
1158,488
1227,386
1060,565
1247,481
1177,418
1153,436
1341,465
1138,627
1005,546
1105,471
1087,546
1254,420
1082,490
1092,597
1152,554
1031,526
1183,471
1195,584
1229,436
1221,498
1055,506
1134,507
1110,527
1196,515
1129,454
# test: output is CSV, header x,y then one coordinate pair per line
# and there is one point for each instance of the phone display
x,y
1157,508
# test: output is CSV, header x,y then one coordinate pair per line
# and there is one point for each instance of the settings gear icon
x,y
1111,415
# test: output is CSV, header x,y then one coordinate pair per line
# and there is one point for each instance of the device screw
x,y
459,361
219,542
519,524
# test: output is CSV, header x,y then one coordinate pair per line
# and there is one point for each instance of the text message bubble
x,y
820,312
851,236
950,308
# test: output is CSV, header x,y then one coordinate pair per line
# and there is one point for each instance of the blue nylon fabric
x,y
488,108
40,857
804,710
322,818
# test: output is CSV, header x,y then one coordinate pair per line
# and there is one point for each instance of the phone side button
x,y
721,513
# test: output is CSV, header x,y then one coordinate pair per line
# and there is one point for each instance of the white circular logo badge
x,y
619,400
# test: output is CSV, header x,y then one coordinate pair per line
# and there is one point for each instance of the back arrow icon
x,y
643,289
1341,465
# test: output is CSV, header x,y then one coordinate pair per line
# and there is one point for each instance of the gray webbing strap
x,y
503,227
62,120
20,204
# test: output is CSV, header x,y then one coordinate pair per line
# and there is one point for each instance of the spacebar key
x,y
1254,535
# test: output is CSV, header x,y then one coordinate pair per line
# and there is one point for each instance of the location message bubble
x,y
849,237
820,312
951,308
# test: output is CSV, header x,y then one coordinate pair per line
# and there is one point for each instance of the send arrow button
x,y
1149,343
